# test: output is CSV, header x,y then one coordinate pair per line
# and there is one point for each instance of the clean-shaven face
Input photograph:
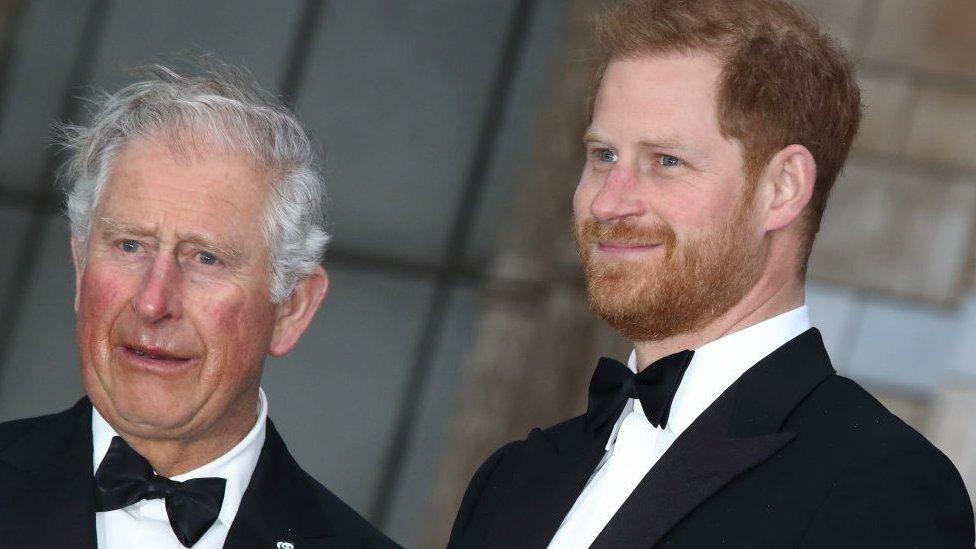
x,y
663,212
173,302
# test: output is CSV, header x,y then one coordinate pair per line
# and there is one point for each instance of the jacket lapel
x,y
700,462
279,504
552,471
739,431
48,485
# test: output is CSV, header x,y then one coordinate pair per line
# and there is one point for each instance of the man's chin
x,y
145,414
637,325
621,308
641,310
621,285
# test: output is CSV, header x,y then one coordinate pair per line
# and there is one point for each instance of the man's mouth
x,y
151,355
612,246
154,356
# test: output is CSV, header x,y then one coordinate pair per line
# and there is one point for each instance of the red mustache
x,y
591,231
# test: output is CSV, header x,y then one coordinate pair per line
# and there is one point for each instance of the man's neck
x,y
763,302
172,458
175,456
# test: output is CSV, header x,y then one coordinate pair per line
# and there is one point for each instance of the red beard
x,y
692,285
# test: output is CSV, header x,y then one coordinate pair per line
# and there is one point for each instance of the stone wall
x,y
901,220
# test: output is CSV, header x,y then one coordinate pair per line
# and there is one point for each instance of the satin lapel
x,y
279,505
48,484
739,431
699,463
553,470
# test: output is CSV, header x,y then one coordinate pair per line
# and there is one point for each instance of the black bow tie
x,y
124,477
613,383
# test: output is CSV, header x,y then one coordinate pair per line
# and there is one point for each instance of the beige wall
x,y
902,218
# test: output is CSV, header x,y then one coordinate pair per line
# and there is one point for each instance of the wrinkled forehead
x,y
193,186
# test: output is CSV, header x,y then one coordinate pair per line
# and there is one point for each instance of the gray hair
x,y
223,108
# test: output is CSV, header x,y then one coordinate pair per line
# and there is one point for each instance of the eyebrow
x,y
116,227
660,143
663,143
593,137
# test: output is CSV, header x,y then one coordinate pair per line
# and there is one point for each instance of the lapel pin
x,y
285,545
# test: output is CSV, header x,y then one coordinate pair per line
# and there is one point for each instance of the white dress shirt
x,y
635,445
145,525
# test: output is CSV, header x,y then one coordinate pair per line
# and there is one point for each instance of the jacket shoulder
x,y
12,431
496,468
15,430
351,524
282,498
483,494
886,476
845,411
492,478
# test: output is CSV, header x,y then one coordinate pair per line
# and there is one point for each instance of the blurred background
x,y
456,318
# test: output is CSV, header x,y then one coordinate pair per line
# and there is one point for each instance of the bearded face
x,y
666,220
684,288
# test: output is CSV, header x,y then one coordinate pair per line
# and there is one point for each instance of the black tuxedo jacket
x,y
791,455
47,493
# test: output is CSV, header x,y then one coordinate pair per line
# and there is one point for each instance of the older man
x,y
717,131
197,232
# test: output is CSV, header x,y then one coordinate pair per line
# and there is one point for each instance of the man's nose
x,y
619,197
158,297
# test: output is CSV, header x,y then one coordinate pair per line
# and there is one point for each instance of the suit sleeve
x,y
916,499
480,499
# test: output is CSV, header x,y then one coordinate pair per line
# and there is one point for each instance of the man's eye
x,y
606,155
669,161
208,258
129,246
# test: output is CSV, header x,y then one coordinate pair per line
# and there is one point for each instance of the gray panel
x,y
396,90
518,125
834,310
41,371
255,34
13,227
41,60
964,350
904,345
423,459
334,396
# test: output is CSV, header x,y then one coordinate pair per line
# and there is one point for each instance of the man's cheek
x,y
582,199
234,322
100,294
100,301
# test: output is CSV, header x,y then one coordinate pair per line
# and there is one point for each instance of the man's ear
x,y
790,176
296,313
76,255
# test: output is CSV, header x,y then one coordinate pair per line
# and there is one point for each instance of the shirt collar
x,y
237,465
716,365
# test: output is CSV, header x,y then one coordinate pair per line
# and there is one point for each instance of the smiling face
x,y
174,311
664,217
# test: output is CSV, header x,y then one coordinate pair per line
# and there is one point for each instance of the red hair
x,y
783,81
